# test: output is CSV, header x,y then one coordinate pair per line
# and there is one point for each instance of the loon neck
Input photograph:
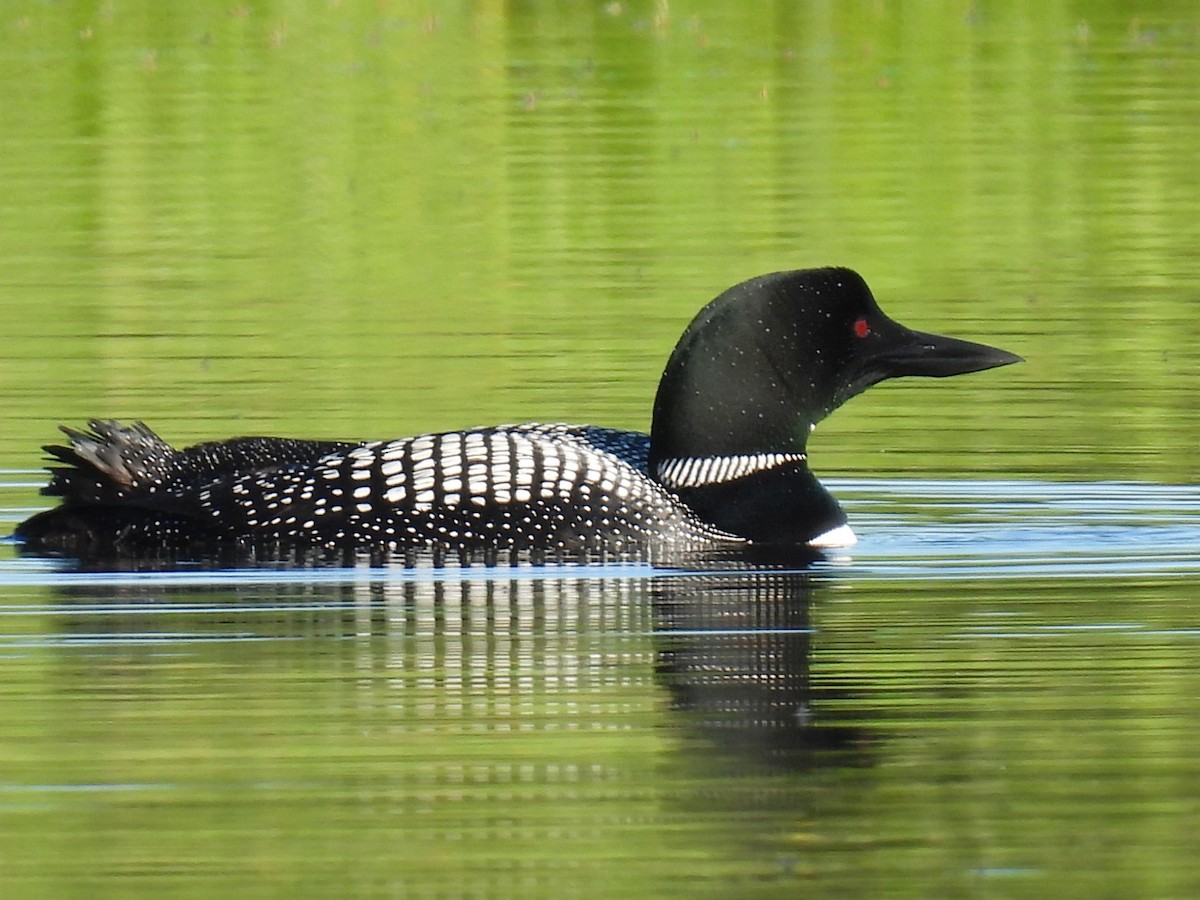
x,y
689,472
769,498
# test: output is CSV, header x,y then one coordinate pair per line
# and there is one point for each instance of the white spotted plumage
x,y
555,487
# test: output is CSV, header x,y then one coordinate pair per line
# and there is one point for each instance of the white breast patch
x,y
842,536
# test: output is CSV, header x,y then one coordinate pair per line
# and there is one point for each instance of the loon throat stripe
x,y
698,471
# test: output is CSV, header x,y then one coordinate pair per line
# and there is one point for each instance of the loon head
x,y
765,361
753,374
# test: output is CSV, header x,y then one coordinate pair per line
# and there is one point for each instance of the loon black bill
x,y
938,356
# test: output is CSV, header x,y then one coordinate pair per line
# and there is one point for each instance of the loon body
x,y
725,464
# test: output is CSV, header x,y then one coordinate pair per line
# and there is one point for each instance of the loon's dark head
x,y
757,369
765,361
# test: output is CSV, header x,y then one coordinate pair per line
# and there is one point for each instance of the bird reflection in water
x,y
732,648
735,650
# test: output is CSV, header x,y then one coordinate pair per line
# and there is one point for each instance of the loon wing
x,y
555,488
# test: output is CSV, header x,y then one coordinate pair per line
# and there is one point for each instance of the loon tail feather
x,y
106,462
125,490
111,478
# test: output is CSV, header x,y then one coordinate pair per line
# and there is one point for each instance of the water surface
x,y
993,692
342,220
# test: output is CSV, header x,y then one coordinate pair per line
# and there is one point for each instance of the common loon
x,y
725,463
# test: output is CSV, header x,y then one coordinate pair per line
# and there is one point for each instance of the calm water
x,y
349,220
994,694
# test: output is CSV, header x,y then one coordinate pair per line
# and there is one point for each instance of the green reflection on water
x,y
593,736
339,219
427,738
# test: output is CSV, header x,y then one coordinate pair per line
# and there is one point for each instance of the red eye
x,y
861,328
